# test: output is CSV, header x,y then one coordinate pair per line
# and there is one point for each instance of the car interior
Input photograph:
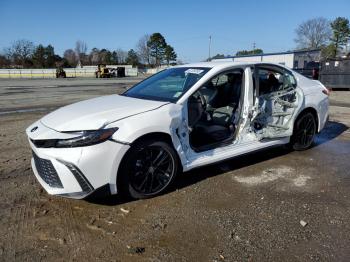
x,y
272,80
276,94
211,110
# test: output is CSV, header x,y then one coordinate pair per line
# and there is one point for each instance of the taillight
x,y
326,91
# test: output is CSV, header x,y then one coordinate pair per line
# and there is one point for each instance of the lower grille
x,y
79,176
47,172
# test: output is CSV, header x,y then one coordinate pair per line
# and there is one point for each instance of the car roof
x,y
213,64
226,64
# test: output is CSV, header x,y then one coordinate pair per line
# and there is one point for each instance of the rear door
x,y
277,101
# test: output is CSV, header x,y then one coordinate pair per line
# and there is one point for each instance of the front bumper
x,y
78,172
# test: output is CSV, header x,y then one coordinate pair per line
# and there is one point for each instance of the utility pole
x,y
254,46
209,47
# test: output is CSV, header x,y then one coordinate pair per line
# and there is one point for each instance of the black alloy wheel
x,y
149,169
304,132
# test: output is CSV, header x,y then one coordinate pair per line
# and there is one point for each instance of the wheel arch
x,y
162,136
313,111
158,136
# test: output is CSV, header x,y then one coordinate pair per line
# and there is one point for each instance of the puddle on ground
x,y
301,180
285,173
268,175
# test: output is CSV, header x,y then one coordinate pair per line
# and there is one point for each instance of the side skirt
x,y
219,154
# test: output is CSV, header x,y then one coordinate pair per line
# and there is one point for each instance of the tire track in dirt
x,y
77,237
7,242
22,231
31,211
87,232
16,236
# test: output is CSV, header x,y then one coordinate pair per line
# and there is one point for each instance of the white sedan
x,y
181,118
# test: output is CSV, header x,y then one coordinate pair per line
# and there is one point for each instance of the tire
x,y
148,169
304,132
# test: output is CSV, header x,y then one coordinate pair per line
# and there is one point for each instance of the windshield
x,y
168,85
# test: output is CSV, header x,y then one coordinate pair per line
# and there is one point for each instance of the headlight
x,y
87,138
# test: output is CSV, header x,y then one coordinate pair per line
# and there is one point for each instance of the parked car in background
x,y
181,118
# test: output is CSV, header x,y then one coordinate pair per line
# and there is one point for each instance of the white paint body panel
x,y
135,118
97,112
99,163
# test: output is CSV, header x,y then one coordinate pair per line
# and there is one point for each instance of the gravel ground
x,y
271,205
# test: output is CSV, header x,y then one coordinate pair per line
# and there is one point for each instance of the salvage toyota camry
x,y
179,119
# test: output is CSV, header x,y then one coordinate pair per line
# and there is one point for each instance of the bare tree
x,y
143,50
94,56
80,50
71,57
21,52
4,62
313,33
121,55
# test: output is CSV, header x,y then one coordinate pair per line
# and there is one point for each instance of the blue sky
x,y
186,24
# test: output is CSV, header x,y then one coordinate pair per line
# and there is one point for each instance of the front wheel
x,y
148,169
304,132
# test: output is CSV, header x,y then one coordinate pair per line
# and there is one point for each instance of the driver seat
x,y
204,132
223,116
212,133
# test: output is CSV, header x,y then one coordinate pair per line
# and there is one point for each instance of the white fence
x,y
51,73
151,71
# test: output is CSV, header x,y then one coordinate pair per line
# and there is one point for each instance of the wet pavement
x,y
270,205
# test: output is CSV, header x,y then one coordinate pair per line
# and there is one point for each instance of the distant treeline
x,y
151,51
331,37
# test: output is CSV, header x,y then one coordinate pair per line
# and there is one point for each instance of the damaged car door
x,y
277,101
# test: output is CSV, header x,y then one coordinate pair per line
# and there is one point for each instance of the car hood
x,y
95,113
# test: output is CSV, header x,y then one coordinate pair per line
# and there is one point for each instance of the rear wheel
x,y
304,132
148,169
